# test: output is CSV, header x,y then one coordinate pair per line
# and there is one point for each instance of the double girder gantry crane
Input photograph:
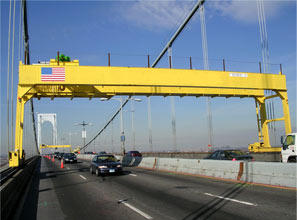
x,y
98,81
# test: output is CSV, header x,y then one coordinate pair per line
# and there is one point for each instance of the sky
x,y
129,31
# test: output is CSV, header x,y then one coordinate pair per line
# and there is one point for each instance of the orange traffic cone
x,y
62,164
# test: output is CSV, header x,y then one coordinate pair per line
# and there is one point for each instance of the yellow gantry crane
x,y
55,146
70,80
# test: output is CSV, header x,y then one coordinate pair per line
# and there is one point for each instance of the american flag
x,y
52,74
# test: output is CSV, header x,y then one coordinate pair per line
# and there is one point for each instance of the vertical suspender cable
x,y
112,149
8,76
268,70
27,59
206,67
149,121
20,34
12,72
266,61
173,118
133,124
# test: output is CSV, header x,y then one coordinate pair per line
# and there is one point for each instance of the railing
x,y
184,62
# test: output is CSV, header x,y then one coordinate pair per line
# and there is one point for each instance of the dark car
x,y
230,155
60,156
56,154
69,158
102,152
105,164
133,153
90,152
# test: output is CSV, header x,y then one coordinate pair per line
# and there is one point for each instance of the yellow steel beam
x,y
154,77
54,146
93,81
69,91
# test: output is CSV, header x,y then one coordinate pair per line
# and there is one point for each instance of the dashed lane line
x,y
83,177
132,174
137,210
229,199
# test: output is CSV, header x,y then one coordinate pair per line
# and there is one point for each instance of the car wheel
x,y
97,172
91,170
292,160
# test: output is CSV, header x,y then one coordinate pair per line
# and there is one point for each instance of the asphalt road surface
x,y
74,193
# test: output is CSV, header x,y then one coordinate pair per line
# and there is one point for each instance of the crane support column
x,y
17,157
264,123
285,102
264,144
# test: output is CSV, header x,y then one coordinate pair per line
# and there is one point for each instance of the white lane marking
x,y
68,168
233,200
132,174
137,210
83,177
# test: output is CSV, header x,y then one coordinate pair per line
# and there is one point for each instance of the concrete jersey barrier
x,y
277,174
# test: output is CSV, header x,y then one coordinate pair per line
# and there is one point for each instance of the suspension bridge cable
x,y
206,67
171,41
106,125
12,72
149,119
179,30
165,49
27,61
268,68
8,77
266,61
172,102
20,34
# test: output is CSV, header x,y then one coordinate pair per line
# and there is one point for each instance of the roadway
x,y
74,193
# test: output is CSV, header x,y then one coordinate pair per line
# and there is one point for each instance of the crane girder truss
x,y
97,81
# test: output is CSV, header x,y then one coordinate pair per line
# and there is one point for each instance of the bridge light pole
x,y
121,100
84,132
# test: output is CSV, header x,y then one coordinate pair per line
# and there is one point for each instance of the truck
x,y
289,148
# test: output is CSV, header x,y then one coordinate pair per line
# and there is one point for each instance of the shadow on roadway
x,y
29,209
51,174
213,206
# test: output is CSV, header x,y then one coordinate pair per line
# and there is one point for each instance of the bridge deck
x,y
74,193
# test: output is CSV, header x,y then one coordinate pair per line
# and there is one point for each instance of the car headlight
x,y
102,167
66,159
119,165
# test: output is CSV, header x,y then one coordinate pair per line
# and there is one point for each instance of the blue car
x,y
105,164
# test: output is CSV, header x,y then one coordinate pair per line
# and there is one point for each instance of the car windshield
x,y
290,140
107,158
235,153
